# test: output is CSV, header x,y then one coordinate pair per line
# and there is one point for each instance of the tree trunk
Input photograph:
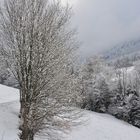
x,y
26,132
27,135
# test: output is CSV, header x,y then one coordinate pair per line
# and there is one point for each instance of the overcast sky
x,y
105,23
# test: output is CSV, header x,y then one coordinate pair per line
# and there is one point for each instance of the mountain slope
x,y
97,127
123,49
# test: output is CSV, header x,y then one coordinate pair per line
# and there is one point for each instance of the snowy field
x,y
97,127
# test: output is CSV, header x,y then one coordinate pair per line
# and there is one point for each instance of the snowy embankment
x,y
97,127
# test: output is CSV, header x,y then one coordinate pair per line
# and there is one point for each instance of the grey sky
x,y
105,23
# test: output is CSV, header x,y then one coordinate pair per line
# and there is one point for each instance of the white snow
x,y
97,127
104,127
9,121
8,94
9,108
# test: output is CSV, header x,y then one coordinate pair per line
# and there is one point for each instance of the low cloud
x,y
105,23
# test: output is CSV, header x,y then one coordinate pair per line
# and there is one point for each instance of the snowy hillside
x,y
104,127
130,48
97,127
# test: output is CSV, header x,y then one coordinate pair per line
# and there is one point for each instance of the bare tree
x,y
37,45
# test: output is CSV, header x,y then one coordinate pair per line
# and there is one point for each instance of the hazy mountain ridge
x,y
130,48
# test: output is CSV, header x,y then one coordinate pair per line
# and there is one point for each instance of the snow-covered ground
x,y
97,127
8,94
9,107
104,127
